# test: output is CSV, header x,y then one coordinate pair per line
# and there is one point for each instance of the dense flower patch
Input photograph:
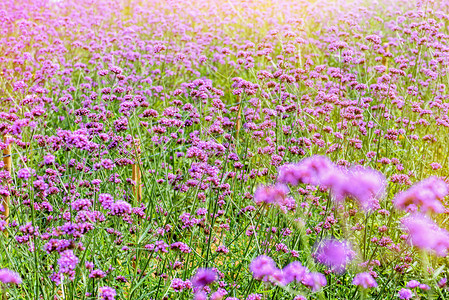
x,y
224,149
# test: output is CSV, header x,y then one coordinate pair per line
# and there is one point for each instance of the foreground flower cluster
x,y
365,186
224,149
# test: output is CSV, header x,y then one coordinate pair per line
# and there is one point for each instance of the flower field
x,y
207,149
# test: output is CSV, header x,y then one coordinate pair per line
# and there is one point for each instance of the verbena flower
x,y
334,253
107,293
271,194
442,283
263,267
412,284
200,295
364,280
67,263
426,234
294,271
405,294
427,195
49,159
314,280
179,285
8,276
362,184
311,170
203,277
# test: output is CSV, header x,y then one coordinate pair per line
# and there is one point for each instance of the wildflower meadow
x,y
224,149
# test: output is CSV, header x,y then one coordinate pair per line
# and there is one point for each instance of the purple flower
x,y
364,280
425,234
67,263
311,170
271,194
314,280
426,194
405,294
219,294
116,70
263,267
8,276
107,164
107,293
334,254
49,159
294,271
435,166
97,274
89,265
121,124
412,284
103,72
204,277
181,246
200,295
362,184
254,297
120,207
25,173
106,200
178,284
81,204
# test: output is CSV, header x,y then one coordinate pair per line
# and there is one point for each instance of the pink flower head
x,y
335,254
435,166
426,194
314,280
309,171
424,287
67,263
107,293
200,295
425,234
294,271
362,184
8,276
179,285
442,282
276,277
405,294
263,267
49,159
412,284
364,280
271,194
219,294
204,277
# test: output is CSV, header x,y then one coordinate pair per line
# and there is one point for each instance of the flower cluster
x,y
425,234
426,195
362,184
152,149
264,268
